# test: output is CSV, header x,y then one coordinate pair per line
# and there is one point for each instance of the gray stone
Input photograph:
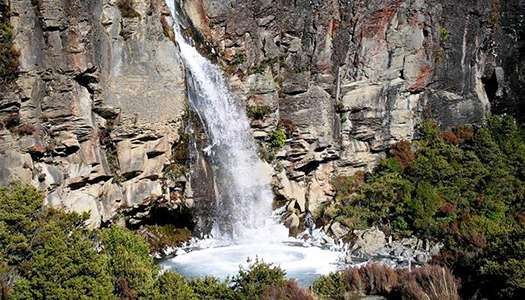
x,y
369,241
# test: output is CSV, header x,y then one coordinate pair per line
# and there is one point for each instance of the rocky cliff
x,y
96,114
96,110
347,79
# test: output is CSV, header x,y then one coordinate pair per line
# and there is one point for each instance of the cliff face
x,y
97,107
95,115
347,79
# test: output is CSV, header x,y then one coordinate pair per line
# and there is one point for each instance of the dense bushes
x,y
465,187
49,254
162,237
250,283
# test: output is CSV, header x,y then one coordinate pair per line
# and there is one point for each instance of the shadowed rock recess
x,y
97,115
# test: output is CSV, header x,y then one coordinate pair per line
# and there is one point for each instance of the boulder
x,y
368,241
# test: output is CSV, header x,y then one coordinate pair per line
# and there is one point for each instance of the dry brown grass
x,y
373,279
290,291
402,152
450,137
429,283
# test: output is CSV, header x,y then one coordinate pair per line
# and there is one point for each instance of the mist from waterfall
x,y
244,197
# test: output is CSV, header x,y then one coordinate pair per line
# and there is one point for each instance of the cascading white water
x,y
244,203
243,225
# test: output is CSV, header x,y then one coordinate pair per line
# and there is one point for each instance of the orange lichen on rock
x,y
425,73
376,23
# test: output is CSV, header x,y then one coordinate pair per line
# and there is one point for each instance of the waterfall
x,y
244,196
244,227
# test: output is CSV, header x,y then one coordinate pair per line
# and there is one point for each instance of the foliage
x,y
249,283
162,237
331,286
277,138
175,171
129,262
173,286
504,266
212,289
258,112
443,34
263,65
50,254
8,53
238,59
464,187
47,253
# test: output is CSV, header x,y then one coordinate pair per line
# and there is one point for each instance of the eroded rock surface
x,y
96,113
97,107
347,79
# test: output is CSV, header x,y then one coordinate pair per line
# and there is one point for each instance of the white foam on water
x,y
301,263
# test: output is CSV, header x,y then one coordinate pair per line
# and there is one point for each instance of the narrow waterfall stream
x,y
244,225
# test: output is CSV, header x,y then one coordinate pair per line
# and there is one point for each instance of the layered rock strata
x,y
347,79
98,106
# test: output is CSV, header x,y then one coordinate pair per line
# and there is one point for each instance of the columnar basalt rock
x,y
99,102
347,79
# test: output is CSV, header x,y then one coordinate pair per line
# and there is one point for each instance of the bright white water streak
x,y
243,226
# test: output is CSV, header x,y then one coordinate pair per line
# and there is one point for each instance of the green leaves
x,y
250,283
465,187
129,261
277,138
8,54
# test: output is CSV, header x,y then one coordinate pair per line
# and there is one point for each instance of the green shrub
x,y
443,34
464,187
8,53
47,253
277,138
238,59
212,289
258,112
63,265
129,262
252,282
173,286
332,286
504,266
